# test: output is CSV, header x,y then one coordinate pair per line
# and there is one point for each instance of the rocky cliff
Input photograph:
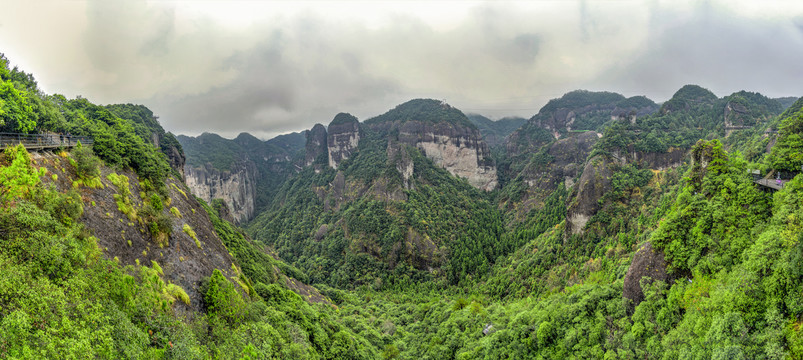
x,y
444,135
593,184
187,255
559,163
245,171
342,139
461,151
316,144
576,110
236,187
595,180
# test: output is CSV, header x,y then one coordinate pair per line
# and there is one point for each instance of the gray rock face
x,y
237,187
398,155
593,184
649,264
566,159
459,150
343,138
652,160
177,160
316,144
595,180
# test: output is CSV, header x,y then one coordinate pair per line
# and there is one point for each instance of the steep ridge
x,y
244,171
343,136
373,214
444,134
661,141
576,110
148,128
186,256
495,132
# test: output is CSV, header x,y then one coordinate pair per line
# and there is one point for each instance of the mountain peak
x,y
426,111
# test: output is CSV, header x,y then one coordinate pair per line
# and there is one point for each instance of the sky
x,y
273,67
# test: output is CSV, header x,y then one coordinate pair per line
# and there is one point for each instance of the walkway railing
x,y
42,141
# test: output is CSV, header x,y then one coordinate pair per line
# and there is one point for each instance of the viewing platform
x,y
771,183
43,141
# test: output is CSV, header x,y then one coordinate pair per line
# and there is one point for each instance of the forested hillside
x,y
105,255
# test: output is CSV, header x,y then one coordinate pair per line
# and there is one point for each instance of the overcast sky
x,y
271,67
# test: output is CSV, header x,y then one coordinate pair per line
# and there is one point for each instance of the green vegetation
x,y
191,233
787,154
425,111
494,132
246,152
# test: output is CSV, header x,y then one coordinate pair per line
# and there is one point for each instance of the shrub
x,y
222,299
87,165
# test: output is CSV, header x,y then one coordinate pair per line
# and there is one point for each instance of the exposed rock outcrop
x,y
176,159
185,260
459,150
576,110
593,184
444,134
398,155
237,187
648,264
316,144
343,138
672,158
560,163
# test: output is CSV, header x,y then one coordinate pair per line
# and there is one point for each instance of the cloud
x,y
274,67
714,48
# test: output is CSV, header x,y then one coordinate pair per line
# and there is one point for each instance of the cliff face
x,y
459,150
245,171
175,157
595,180
444,134
316,144
576,110
561,162
593,184
342,139
236,187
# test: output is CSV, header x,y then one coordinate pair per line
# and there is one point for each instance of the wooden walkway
x,y
42,141
771,183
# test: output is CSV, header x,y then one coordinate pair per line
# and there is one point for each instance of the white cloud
x,y
272,67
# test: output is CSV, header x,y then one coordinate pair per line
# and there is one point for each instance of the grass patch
x,y
177,292
179,190
175,212
123,197
189,231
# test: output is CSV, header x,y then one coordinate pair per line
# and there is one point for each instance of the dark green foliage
x,y
225,154
444,223
578,99
424,110
494,132
87,165
255,263
793,109
687,97
221,299
787,154
343,118
268,158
